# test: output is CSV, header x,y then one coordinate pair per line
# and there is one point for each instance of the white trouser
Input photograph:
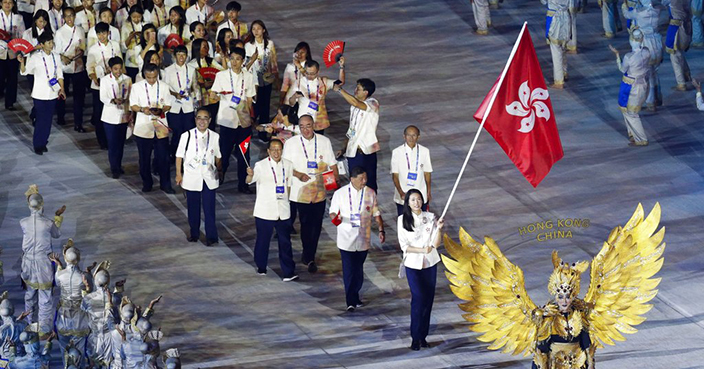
x,y
572,44
559,63
80,343
634,126
482,14
654,94
45,315
680,66
610,18
697,31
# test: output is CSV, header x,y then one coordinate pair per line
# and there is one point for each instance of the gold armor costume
x,y
498,306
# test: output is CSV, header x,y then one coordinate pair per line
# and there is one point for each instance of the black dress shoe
x,y
312,267
115,175
39,151
122,171
10,108
424,343
169,190
44,149
61,122
192,239
415,346
146,189
211,242
245,191
79,129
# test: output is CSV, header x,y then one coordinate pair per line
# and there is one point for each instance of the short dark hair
x,y
367,85
312,63
150,67
181,49
205,109
357,171
44,37
239,51
233,5
103,10
68,9
115,60
405,130
136,9
102,27
195,24
308,116
273,141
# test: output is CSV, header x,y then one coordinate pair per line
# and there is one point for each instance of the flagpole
x,y
243,157
486,114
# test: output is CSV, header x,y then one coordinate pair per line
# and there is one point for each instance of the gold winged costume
x,y
499,307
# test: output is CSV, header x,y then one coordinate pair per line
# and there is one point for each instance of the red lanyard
x,y
71,40
146,89
283,171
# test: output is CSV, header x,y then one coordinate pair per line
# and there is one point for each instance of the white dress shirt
x,y
14,25
198,153
313,95
25,6
42,4
122,16
145,95
56,19
159,17
354,234
269,175
130,50
112,88
27,35
240,86
196,13
239,29
291,76
169,29
420,237
181,80
362,131
113,35
44,67
264,64
86,19
415,161
98,57
67,42
300,152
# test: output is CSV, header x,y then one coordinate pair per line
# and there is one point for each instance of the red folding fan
x,y
4,35
208,73
20,45
333,52
172,41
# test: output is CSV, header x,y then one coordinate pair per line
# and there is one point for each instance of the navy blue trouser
x,y
368,162
115,134
9,69
79,81
160,146
95,119
353,274
194,199
179,124
422,285
230,139
262,106
311,217
44,112
265,229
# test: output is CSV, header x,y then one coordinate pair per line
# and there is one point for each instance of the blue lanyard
x,y
232,83
47,68
316,147
5,25
361,198
146,89
417,157
179,78
317,94
283,171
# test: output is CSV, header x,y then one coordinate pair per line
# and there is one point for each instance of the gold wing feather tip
x,y
621,285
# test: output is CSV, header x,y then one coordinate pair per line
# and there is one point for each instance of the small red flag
x,y
244,145
521,119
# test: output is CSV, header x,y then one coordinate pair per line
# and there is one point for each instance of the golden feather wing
x,y
497,303
621,277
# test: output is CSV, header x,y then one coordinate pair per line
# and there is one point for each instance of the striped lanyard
x,y
232,83
71,40
317,91
417,157
316,147
178,79
117,82
56,18
205,13
4,25
207,144
283,173
235,30
46,68
146,89
361,198
112,54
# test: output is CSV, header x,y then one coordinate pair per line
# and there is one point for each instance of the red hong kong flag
x,y
521,118
244,145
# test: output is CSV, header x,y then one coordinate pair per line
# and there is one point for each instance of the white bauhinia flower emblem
x,y
529,106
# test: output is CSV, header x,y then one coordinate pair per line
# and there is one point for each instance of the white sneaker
x,y
350,308
289,279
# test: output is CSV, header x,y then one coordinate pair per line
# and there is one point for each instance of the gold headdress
x,y
32,190
565,278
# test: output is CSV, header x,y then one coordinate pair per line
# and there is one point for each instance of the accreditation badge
x,y
412,178
236,99
356,220
193,164
351,132
54,83
280,192
312,167
313,106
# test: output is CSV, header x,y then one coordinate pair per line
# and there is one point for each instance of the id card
x,y
312,167
280,192
236,99
313,106
54,83
193,164
351,132
356,220
411,180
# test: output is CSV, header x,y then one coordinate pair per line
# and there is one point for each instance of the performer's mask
x,y
35,202
6,308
